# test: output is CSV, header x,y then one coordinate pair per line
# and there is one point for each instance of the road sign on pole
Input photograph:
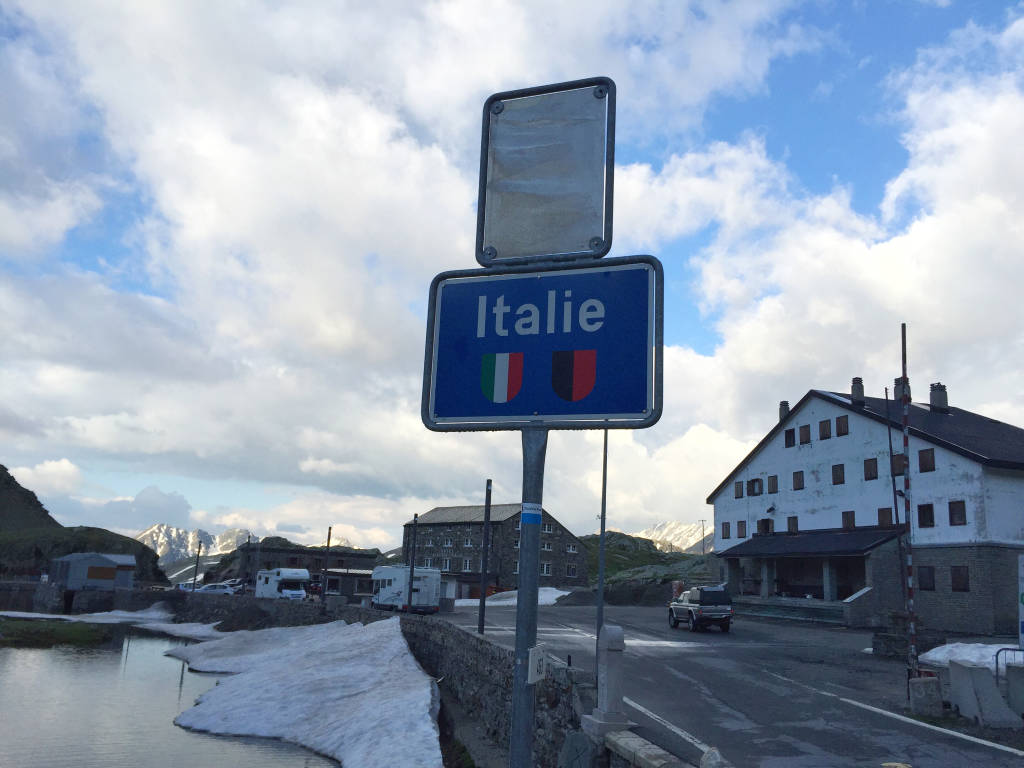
x,y
566,347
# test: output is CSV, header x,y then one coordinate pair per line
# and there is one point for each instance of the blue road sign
x,y
557,347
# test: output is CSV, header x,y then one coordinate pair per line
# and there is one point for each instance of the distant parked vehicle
x,y
287,583
391,584
216,589
701,607
184,586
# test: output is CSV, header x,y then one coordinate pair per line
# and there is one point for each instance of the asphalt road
x,y
770,694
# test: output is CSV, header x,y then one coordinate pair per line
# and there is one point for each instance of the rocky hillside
x,y
30,538
622,552
174,544
19,508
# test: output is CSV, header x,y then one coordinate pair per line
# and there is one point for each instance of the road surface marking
x,y
688,737
904,719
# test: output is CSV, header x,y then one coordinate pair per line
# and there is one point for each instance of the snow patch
x,y
156,612
983,654
545,596
352,692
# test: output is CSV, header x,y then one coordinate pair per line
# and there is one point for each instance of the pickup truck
x,y
700,607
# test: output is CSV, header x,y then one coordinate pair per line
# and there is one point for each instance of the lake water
x,y
115,706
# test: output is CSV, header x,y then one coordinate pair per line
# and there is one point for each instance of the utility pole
x,y
483,558
196,574
702,536
911,618
323,571
412,558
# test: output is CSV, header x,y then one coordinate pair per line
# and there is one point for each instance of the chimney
x,y
897,389
783,409
857,392
937,399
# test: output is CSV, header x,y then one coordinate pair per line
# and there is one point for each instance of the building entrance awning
x,y
833,543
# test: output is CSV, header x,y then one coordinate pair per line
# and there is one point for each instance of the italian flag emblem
x,y
573,373
501,376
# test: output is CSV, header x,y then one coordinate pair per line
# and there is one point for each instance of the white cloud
x,y
58,476
304,170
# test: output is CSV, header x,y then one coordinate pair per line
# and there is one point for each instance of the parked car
x,y
216,589
184,586
701,607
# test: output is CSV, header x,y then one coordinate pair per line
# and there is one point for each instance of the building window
x,y
791,524
842,425
870,469
428,542
516,569
738,489
926,578
925,516
725,530
447,542
519,524
790,438
897,464
571,548
825,429
885,517
447,566
798,480
467,564
805,434
467,542
765,526
516,545
957,513
849,520
773,483
570,570
545,569
546,546
960,581
755,487
741,529
838,474
926,460
547,528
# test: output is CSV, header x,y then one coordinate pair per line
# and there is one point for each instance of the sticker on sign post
x,y
564,347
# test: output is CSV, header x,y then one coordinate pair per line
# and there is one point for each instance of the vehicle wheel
x,y
691,622
672,620
725,626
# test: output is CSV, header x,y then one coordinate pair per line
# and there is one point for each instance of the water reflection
x,y
114,706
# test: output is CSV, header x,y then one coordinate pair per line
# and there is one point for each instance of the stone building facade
x,y
258,557
817,508
451,539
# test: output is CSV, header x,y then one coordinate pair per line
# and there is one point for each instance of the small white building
x,y
813,509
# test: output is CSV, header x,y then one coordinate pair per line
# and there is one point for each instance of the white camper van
x,y
391,582
289,583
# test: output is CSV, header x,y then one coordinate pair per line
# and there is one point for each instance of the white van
x,y
288,583
391,582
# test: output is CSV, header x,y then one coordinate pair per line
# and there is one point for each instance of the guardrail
x,y
1019,651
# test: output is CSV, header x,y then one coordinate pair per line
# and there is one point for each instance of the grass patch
x,y
46,633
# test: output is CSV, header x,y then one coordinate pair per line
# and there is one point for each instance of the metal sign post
x,y
548,335
484,559
535,446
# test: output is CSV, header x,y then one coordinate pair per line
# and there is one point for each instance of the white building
x,y
812,510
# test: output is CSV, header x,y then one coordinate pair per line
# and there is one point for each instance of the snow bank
x,y
354,693
155,612
186,630
968,653
545,596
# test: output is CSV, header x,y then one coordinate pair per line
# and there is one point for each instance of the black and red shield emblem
x,y
573,373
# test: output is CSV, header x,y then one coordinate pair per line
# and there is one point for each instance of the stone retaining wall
x,y
17,595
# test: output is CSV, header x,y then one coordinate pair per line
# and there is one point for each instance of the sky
x,y
219,223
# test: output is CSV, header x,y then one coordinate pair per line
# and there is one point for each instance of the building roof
x,y
984,440
116,559
469,514
831,543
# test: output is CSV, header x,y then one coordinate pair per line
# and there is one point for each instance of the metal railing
x,y
1019,651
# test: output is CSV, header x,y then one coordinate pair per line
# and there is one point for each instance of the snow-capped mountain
x,y
173,544
674,536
